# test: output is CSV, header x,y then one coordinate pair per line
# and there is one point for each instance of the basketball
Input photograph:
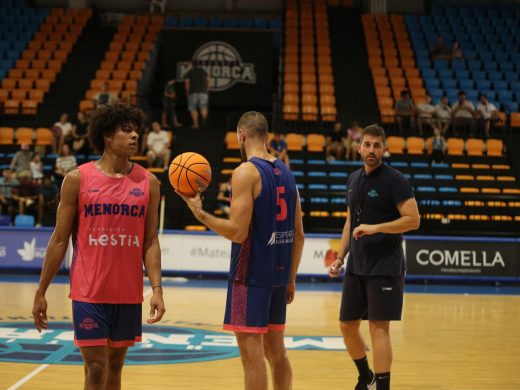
x,y
189,173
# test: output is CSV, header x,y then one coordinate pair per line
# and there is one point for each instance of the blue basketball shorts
x,y
255,309
99,324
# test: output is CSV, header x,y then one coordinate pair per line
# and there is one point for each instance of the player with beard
x,y
265,226
380,207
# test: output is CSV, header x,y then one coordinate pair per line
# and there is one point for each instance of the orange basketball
x,y
189,173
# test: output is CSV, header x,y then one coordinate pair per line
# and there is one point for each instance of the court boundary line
x,y
42,367
28,377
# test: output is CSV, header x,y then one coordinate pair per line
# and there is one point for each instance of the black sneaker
x,y
371,385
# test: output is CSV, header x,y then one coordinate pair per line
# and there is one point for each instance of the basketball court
x,y
450,338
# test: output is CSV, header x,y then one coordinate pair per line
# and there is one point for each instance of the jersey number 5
x,y
281,203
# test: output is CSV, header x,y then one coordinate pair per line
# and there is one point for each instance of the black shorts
x,y
378,298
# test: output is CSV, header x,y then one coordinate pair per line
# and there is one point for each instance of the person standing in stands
x,y
169,117
196,82
109,206
265,226
405,113
335,143
380,207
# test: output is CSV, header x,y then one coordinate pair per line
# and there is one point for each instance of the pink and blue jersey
x,y
264,258
108,236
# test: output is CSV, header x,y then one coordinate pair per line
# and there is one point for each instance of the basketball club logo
x,y
223,63
20,342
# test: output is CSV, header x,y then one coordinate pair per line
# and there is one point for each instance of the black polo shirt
x,y
377,196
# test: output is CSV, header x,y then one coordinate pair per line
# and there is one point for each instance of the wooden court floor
x,y
445,341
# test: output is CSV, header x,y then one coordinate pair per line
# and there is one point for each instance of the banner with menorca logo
x,y
239,64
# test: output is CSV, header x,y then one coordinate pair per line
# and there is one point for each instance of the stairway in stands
x,y
71,84
355,93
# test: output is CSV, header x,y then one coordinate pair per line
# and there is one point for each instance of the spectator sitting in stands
x,y
439,51
65,163
26,194
353,136
463,113
104,96
425,112
63,130
439,146
442,114
21,161
47,199
7,183
224,195
36,168
158,142
486,113
335,143
405,112
79,133
278,148
169,101
456,51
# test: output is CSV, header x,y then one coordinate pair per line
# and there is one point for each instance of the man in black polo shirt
x,y
380,206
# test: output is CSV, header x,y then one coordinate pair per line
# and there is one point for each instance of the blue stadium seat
x,y
200,21
319,199
338,187
24,220
399,164
338,174
466,84
448,189
442,176
423,176
419,164
245,23
230,22
261,23
215,22
319,187
316,162
4,220
426,189
316,174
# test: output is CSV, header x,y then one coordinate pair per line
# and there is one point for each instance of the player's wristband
x,y
157,287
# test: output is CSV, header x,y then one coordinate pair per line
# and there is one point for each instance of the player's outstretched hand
x,y
336,268
291,290
363,230
193,202
157,309
39,312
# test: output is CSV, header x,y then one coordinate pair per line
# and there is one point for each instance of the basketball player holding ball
x,y
265,226
110,208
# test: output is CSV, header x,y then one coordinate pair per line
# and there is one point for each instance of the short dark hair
x,y
374,131
109,117
461,93
405,92
254,123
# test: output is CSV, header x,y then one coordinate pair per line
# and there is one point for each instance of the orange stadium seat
x,y
6,136
395,145
455,146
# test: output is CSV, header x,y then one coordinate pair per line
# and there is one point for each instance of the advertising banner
x,y
462,257
239,64
23,248
211,253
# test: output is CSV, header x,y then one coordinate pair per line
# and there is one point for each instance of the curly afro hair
x,y
106,119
